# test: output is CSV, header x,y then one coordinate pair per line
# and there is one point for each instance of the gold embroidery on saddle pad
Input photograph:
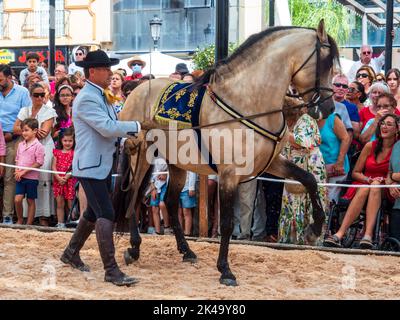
x,y
178,103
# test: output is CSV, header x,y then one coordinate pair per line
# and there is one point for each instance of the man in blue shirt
x,y
12,98
340,89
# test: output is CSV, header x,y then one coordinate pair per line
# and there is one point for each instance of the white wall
x,y
82,29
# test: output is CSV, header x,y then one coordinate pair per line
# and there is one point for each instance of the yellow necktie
x,y
110,97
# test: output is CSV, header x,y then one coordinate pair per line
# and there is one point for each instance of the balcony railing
x,y
4,26
36,24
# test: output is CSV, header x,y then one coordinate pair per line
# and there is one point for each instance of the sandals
x,y
332,241
366,244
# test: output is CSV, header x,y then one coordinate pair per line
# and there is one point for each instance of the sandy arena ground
x,y
30,269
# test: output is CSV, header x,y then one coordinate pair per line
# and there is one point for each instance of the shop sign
x,y
7,56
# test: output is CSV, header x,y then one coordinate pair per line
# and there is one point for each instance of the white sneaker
x,y
60,225
168,231
7,220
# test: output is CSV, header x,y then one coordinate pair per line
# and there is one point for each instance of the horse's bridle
x,y
276,138
316,100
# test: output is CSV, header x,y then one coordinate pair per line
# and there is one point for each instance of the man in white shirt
x,y
366,59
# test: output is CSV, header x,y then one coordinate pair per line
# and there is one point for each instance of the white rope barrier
x,y
32,169
382,186
58,172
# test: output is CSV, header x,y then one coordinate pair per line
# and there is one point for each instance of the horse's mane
x,y
252,40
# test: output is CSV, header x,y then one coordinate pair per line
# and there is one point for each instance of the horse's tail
x,y
122,195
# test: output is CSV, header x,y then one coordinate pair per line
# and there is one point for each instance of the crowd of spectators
x,y
37,131
363,130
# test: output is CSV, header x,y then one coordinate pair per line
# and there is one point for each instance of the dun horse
x,y
252,82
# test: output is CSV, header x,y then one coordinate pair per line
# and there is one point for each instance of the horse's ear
x,y
321,32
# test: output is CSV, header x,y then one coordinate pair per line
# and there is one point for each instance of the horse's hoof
x,y
190,257
228,282
134,253
129,259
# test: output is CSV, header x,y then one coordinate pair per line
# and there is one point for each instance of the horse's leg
x,y
227,191
176,183
286,169
132,254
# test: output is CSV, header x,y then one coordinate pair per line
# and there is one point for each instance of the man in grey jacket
x,y
96,133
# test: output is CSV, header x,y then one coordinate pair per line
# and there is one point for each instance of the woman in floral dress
x,y
303,150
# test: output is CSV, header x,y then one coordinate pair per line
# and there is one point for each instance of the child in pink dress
x,y
63,185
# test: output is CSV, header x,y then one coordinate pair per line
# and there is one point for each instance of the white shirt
x,y
375,63
160,165
190,184
74,68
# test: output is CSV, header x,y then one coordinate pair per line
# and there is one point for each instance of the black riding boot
x,y
104,235
71,253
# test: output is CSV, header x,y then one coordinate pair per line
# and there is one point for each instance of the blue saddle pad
x,y
179,102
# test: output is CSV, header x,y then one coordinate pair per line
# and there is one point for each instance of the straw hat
x,y
136,59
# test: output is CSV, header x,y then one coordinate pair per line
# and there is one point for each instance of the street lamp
x,y
207,34
155,28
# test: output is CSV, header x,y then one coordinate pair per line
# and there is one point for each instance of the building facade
x,y
121,26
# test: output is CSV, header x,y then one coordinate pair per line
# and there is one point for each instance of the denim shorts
x,y
185,201
160,196
27,187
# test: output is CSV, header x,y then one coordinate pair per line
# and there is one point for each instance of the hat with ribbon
x,y
95,59
138,60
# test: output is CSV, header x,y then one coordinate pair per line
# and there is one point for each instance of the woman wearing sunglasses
x,y
366,75
78,55
46,116
356,94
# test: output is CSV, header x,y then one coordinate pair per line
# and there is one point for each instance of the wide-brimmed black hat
x,y
96,59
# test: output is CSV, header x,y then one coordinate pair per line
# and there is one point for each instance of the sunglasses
x,y
37,95
352,90
379,79
79,54
341,85
367,52
362,75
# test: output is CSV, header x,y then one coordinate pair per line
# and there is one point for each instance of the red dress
x,y
372,169
64,164
365,115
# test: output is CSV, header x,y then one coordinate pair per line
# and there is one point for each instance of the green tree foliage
x,y
308,13
204,59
